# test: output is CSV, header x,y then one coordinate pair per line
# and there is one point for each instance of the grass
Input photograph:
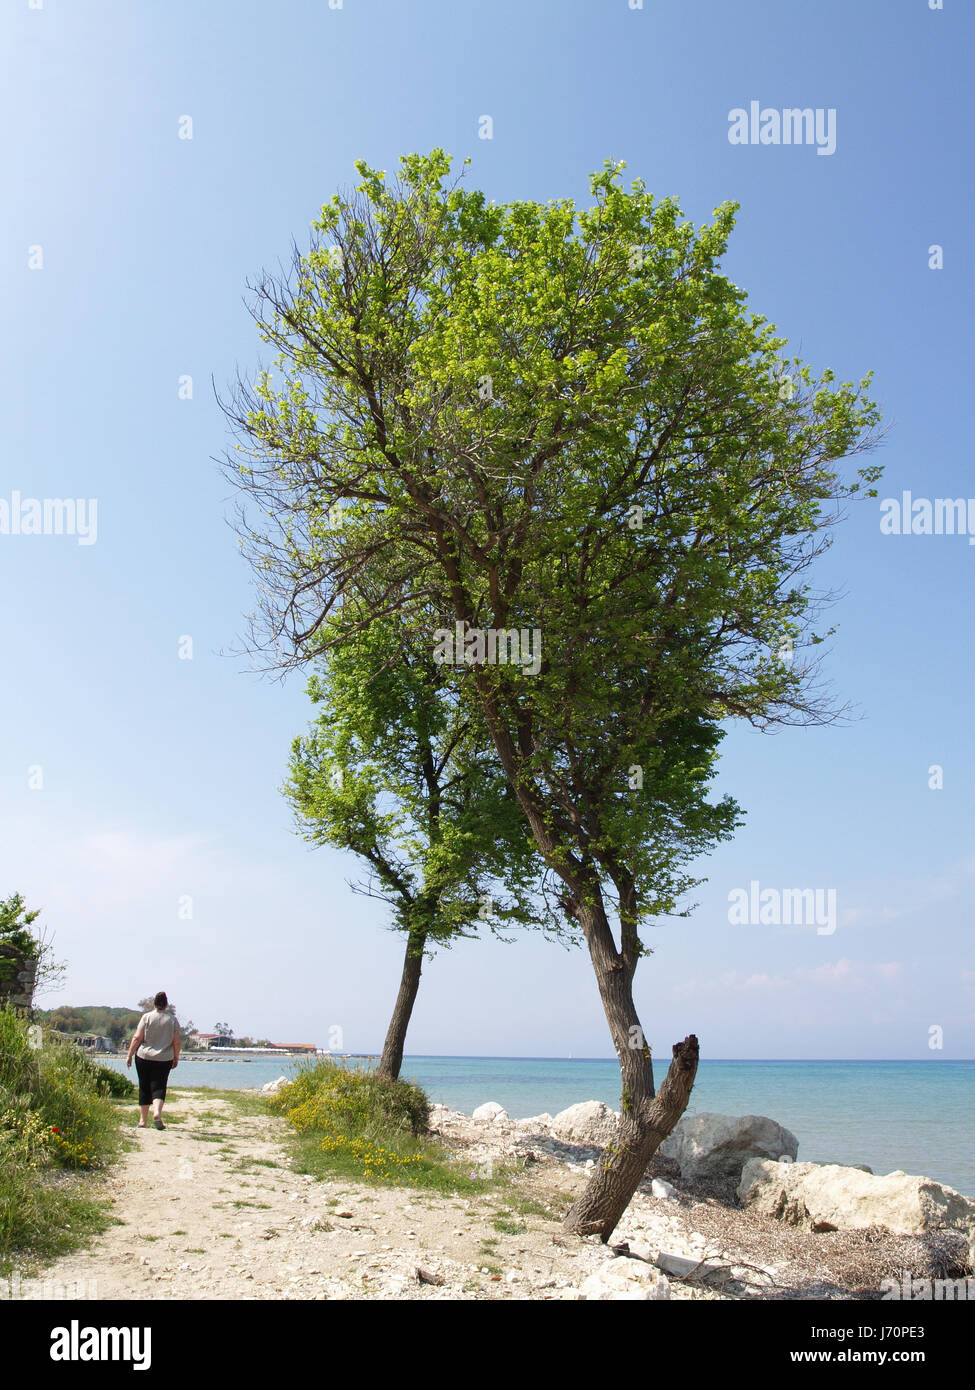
x,y
348,1122
242,1102
528,1206
57,1124
401,1161
507,1227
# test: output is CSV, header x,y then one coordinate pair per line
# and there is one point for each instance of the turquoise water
x,y
917,1116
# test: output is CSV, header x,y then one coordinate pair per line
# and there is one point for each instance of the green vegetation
x,y
507,1227
113,1083
54,1115
326,1095
23,948
354,1123
15,924
243,1102
114,1023
487,422
391,770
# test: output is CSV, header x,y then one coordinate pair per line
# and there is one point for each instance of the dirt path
x,y
209,1208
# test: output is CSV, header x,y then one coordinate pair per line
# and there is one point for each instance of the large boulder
x,y
590,1122
719,1146
833,1197
271,1088
621,1279
490,1113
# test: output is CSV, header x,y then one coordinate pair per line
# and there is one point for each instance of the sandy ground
x,y
201,1216
210,1208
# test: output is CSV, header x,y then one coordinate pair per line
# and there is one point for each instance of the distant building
x,y
209,1039
294,1047
90,1042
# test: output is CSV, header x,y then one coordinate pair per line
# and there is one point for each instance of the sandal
x,y
158,1124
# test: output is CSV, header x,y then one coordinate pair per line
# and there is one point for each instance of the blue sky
x,y
160,775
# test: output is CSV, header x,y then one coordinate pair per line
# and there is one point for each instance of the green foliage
x,y
537,416
15,931
113,1083
350,1122
108,1022
392,771
327,1095
54,1114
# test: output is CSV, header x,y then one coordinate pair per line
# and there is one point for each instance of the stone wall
x,y
17,976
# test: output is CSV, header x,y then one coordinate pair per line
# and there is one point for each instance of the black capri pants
x,y
153,1076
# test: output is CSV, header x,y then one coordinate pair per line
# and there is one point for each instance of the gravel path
x,y
209,1208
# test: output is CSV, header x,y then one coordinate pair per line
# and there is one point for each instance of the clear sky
x,y
159,774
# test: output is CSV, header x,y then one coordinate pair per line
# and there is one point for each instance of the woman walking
x,y
157,1040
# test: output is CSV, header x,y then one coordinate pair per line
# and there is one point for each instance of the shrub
x,y
113,1083
327,1096
18,1060
360,1124
54,1113
82,1118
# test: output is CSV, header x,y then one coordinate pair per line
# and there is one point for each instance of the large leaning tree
x,y
533,417
392,771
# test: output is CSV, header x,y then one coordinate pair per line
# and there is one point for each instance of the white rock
x,y
663,1190
590,1122
271,1088
490,1113
621,1279
719,1146
832,1197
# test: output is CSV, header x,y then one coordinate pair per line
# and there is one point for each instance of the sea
x,y
917,1116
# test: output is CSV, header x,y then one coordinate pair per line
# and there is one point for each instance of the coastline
x,y
890,1115
212,1208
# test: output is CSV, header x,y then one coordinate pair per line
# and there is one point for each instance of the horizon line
x,y
561,1057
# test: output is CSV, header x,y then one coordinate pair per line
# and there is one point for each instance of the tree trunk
x,y
392,1058
642,1128
645,1119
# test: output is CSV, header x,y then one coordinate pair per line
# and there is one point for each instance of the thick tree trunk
x,y
392,1058
642,1128
645,1119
